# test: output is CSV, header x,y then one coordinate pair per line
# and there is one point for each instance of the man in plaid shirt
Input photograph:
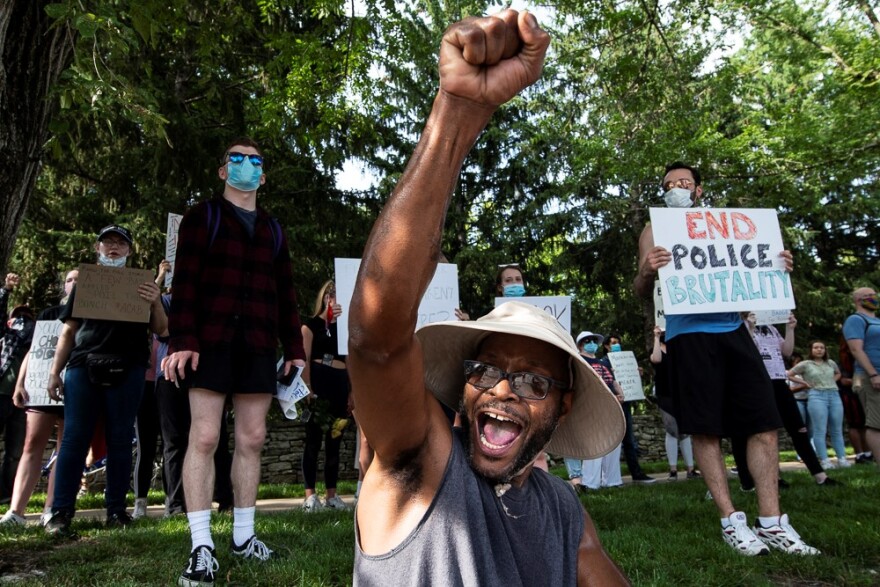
x,y
233,300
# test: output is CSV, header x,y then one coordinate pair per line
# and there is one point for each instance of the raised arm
x,y
483,63
651,259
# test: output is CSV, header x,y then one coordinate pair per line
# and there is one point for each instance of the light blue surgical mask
x,y
678,198
591,347
110,261
615,348
244,176
514,290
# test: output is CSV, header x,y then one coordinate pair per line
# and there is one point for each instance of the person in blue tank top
x,y
465,506
721,388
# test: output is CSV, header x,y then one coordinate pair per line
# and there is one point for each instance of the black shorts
x,y
852,407
230,370
719,385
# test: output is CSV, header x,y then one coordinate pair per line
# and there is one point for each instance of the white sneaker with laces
x,y
741,537
140,508
827,464
312,503
783,537
10,519
335,503
842,463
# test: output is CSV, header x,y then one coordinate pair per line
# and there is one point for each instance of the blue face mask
x,y
244,176
110,261
514,290
591,347
615,348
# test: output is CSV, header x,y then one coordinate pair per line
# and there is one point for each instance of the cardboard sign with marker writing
x,y
111,293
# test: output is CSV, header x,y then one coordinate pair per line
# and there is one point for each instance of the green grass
x,y
661,534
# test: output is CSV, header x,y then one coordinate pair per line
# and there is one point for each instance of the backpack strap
x,y
213,222
276,236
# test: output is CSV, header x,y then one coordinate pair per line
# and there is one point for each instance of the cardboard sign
x,y
171,244
40,359
557,306
437,305
723,260
110,293
626,371
659,314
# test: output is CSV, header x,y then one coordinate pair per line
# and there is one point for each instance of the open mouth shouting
x,y
497,433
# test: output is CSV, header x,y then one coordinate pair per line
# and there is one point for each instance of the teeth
x,y
489,444
498,417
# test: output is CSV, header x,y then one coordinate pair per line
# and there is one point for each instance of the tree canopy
x,y
776,101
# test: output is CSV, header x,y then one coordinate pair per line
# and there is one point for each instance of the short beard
x,y
541,435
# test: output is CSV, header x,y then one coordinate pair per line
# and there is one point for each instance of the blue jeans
x,y
574,467
83,403
826,415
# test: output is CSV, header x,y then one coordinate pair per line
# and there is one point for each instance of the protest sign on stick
x,y
557,306
111,293
171,244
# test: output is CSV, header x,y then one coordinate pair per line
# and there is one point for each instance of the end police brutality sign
x,y
723,260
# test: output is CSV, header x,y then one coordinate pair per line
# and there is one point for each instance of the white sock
x,y
200,528
725,522
767,521
242,525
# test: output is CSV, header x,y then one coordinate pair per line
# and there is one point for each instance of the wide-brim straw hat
x,y
594,426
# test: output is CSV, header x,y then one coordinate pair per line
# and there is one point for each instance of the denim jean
x,y
826,415
83,403
574,467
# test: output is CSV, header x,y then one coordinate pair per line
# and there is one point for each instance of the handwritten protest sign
x,y
626,370
557,306
42,354
659,314
109,293
723,260
288,395
765,317
171,244
437,305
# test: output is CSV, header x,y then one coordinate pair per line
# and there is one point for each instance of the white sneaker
x,y
312,503
741,537
140,508
827,464
45,517
11,519
842,463
335,503
783,537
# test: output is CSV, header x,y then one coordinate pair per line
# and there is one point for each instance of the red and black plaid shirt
x,y
239,284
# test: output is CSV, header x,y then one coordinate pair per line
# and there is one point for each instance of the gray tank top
x,y
470,537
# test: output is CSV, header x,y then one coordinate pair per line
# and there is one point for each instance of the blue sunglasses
x,y
256,160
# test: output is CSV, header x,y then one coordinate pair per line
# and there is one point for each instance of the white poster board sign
x,y
40,359
288,395
626,371
557,306
723,260
659,314
765,317
437,305
171,244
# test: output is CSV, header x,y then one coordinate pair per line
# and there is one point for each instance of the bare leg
x,y
206,408
763,457
707,450
250,434
38,429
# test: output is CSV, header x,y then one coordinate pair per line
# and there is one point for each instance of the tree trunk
x,y
33,54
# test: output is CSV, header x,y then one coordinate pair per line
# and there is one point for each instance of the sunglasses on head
x,y
256,160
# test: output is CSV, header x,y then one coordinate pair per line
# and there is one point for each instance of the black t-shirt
x,y
324,339
128,339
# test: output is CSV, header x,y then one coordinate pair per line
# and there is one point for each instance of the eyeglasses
x,y
113,243
524,384
678,183
256,160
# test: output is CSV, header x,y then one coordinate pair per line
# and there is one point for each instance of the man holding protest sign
x,y
233,301
720,388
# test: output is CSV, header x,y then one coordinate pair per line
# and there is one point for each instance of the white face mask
x,y
678,198
110,262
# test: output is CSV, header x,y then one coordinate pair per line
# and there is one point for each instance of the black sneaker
x,y
200,568
119,519
59,524
864,459
694,474
254,549
673,475
642,478
829,482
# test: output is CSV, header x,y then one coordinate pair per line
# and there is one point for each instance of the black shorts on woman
x,y
719,384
